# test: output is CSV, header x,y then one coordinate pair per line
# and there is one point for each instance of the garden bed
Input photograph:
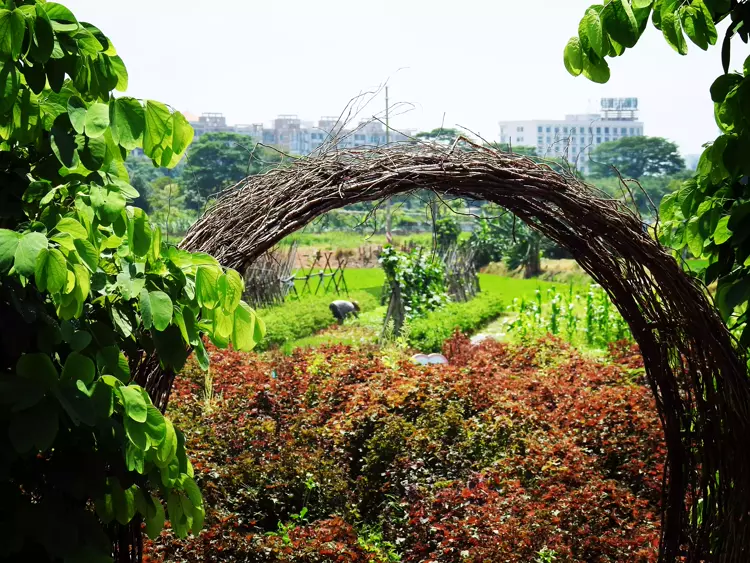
x,y
509,454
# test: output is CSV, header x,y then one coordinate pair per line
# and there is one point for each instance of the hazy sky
x,y
471,62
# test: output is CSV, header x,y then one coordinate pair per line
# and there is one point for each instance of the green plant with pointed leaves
x,y
710,213
89,292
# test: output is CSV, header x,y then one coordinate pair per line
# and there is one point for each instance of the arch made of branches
x,y
695,370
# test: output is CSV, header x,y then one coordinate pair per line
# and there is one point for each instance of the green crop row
x,y
298,319
428,333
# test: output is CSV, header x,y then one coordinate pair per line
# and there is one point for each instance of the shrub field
x,y
428,333
510,454
298,319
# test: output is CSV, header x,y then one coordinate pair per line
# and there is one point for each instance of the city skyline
x,y
472,63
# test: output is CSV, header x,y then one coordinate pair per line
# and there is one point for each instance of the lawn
x,y
335,240
357,279
371,280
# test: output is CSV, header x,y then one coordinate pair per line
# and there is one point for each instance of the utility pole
x,y
388,211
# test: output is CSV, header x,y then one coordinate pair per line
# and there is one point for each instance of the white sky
x,y
473,61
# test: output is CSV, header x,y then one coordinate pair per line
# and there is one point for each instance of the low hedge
x,y
428,333
298,319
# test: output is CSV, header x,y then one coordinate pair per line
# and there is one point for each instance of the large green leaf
x,y
155,518
223,323
123,503
77,110
206,286
182,134
72,227
592,29
722,232
573,56
136,432
39,368
134,403
64,144
88,253
8,244
111,361
230,286
94,152
78,367
144,304
97,119
695,28
121,72
12,30
27,252
44,38
140,233
128,120
694,238
167,450
59,13
672,30
9,86
244,331
191,490
156,427
620,22
595,70
158,127
170,347
723,85
51,271
161,309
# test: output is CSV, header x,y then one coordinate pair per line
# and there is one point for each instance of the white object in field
x,y
424,359
420,359
437,359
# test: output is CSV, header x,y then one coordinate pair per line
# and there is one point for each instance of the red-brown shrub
x,y
504,452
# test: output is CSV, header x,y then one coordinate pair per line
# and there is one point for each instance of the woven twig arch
x,y
695,372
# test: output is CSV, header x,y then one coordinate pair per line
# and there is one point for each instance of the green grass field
x,y
347,240
371,280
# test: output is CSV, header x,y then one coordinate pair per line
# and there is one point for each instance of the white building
x,y
292,135
575,136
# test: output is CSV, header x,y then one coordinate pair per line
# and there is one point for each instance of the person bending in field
x,y
342,309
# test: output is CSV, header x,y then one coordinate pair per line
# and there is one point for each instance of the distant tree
x,y
218,160
652,188
168,208
447,231
520,149
502,237
635,157
439,135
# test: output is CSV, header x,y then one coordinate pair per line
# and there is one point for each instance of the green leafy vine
x,y
88,292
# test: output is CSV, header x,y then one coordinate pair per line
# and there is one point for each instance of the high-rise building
x,y
574,137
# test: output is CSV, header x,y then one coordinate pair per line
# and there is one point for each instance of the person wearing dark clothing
x,y
342,309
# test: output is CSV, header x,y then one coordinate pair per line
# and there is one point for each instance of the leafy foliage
x,y
506,453
298,319
88,291
218,160
646,194
428,334
418,275
707,215
447,230
635,157
500,236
